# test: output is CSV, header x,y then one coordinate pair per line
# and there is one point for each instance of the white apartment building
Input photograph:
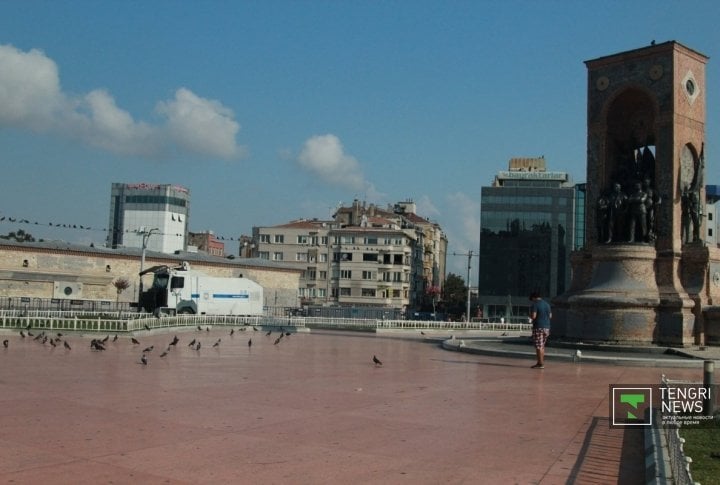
x,y
364,257
712,225
137,210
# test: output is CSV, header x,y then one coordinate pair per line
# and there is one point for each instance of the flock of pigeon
x,y
42,337
99,345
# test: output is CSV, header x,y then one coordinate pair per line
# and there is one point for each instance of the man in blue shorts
x,y
540,314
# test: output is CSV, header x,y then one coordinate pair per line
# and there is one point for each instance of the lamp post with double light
x,y
145,237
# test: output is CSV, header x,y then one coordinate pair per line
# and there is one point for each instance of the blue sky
x,y
275,110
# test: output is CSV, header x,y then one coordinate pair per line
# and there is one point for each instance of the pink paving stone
x,y
312,409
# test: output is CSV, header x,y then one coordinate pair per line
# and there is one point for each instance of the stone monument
x,y
644,275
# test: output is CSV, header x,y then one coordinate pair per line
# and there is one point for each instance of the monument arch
x,y
642,277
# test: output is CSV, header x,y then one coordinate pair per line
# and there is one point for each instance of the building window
x,y
345,292
301,256
278,256
710,231
397,277
323,258
265,238
368,292
373,257
396,293
279,239
368,275
321,292
371,240
324,240
347,240
346,274
311,274
334,292
323,275
302,239
264,254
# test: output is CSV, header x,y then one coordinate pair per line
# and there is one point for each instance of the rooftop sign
x,y
145,186
517,175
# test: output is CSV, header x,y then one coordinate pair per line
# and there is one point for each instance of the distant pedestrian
x,y
540,313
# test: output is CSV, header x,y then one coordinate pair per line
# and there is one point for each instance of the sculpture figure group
x,y
629,217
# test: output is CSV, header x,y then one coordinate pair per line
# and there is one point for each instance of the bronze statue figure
x,y
637,210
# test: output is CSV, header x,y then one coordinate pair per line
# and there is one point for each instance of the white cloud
x,y
324,156
201,125
427,208
31,97
29,89
461,223
98,121
465,221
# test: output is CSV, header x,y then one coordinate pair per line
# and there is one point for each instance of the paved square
x,y
311,409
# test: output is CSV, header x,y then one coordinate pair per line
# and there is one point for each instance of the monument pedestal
x,y
619,296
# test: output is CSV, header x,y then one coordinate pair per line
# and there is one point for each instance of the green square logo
x,y
630,406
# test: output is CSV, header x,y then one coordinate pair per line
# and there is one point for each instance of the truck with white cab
x,y
182,290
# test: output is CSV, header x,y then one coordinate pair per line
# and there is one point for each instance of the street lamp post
x,y
145,237
469,256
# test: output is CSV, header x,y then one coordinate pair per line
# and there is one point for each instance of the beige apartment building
x,y
364,257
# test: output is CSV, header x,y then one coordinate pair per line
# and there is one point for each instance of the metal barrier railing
x,y
123,321
679,462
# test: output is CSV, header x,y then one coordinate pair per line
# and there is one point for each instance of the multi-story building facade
x,y
712,203
206,242
137,210
364,257
527,231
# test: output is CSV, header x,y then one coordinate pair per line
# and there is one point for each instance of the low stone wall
x,y
37,271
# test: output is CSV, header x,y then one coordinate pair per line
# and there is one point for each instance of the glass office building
x,y
527,231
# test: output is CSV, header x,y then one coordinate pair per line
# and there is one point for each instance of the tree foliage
x,y
455,294
121,284
19,236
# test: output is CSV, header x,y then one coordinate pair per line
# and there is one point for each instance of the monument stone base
x,y
616,299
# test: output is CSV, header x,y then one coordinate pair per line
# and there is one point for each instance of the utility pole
x,y
469,256
145,236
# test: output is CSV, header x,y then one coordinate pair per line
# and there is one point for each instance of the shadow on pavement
x,y
603,456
